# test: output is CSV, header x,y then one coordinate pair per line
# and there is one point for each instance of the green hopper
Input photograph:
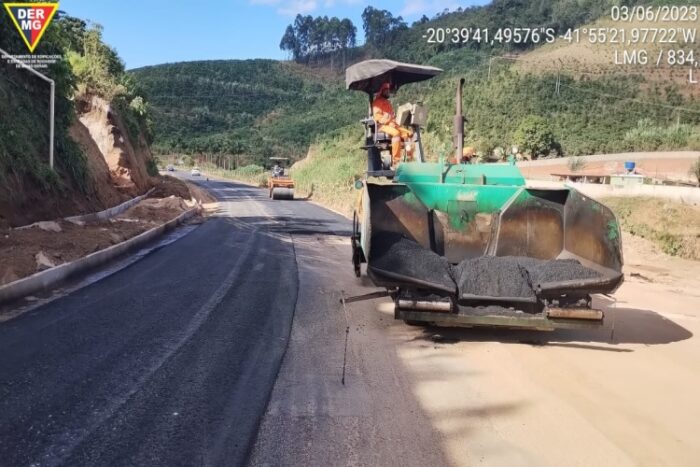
x,y
473,244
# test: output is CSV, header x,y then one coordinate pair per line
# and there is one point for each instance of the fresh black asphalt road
x,y
169,361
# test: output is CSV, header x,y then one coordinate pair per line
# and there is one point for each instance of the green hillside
x,y
24,129
252,107
259,108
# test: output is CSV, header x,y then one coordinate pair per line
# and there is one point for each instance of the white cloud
x,y
425,7
295,7
332,3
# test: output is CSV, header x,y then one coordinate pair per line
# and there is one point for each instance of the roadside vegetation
x,y
253,109
673,226
24,126
91,68
329,173
253,174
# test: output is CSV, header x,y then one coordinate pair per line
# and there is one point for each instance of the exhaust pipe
x,y
458,132
425,305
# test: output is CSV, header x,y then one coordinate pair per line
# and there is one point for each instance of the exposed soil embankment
x,y
100,181
116,171
126,161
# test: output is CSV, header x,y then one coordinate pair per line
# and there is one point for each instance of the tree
x,y
303,26
318,38
289,42
534,136
379,25
347,34
98,68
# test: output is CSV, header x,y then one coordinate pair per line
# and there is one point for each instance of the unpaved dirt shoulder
x,y
620,395
26,251
623,394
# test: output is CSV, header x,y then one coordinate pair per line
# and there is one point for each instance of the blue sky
x,y
149,32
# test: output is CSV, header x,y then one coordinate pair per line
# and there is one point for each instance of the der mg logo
x,y
31,20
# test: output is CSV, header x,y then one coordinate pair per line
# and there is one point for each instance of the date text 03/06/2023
x,y
661,35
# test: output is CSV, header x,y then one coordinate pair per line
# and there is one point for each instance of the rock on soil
x,y
43,262
49,226
156,210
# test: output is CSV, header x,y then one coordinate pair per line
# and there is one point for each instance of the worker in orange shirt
x,y
383,114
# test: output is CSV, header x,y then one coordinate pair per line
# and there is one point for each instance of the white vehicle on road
x,y
196,172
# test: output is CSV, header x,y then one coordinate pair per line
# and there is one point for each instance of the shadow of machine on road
x,y
621,326
296,225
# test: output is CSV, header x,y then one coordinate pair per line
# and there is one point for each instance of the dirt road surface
x,y
624,394
226,347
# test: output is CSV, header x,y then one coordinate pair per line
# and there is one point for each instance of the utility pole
x,y
52,100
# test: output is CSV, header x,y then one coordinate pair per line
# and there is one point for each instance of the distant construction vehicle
x,y
471,244
279,182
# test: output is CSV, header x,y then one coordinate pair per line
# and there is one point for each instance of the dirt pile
x,y
674,227
171,186
156,210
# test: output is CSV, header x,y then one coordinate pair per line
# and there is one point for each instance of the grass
x,y
328,174
252,174
24,141
673,226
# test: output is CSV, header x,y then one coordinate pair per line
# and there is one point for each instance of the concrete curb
x,y
109,213
98,216
45,280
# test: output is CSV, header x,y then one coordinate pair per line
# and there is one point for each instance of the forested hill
x,y
259,108
253,107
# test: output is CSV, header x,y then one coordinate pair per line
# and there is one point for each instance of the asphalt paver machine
x,y
471,244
